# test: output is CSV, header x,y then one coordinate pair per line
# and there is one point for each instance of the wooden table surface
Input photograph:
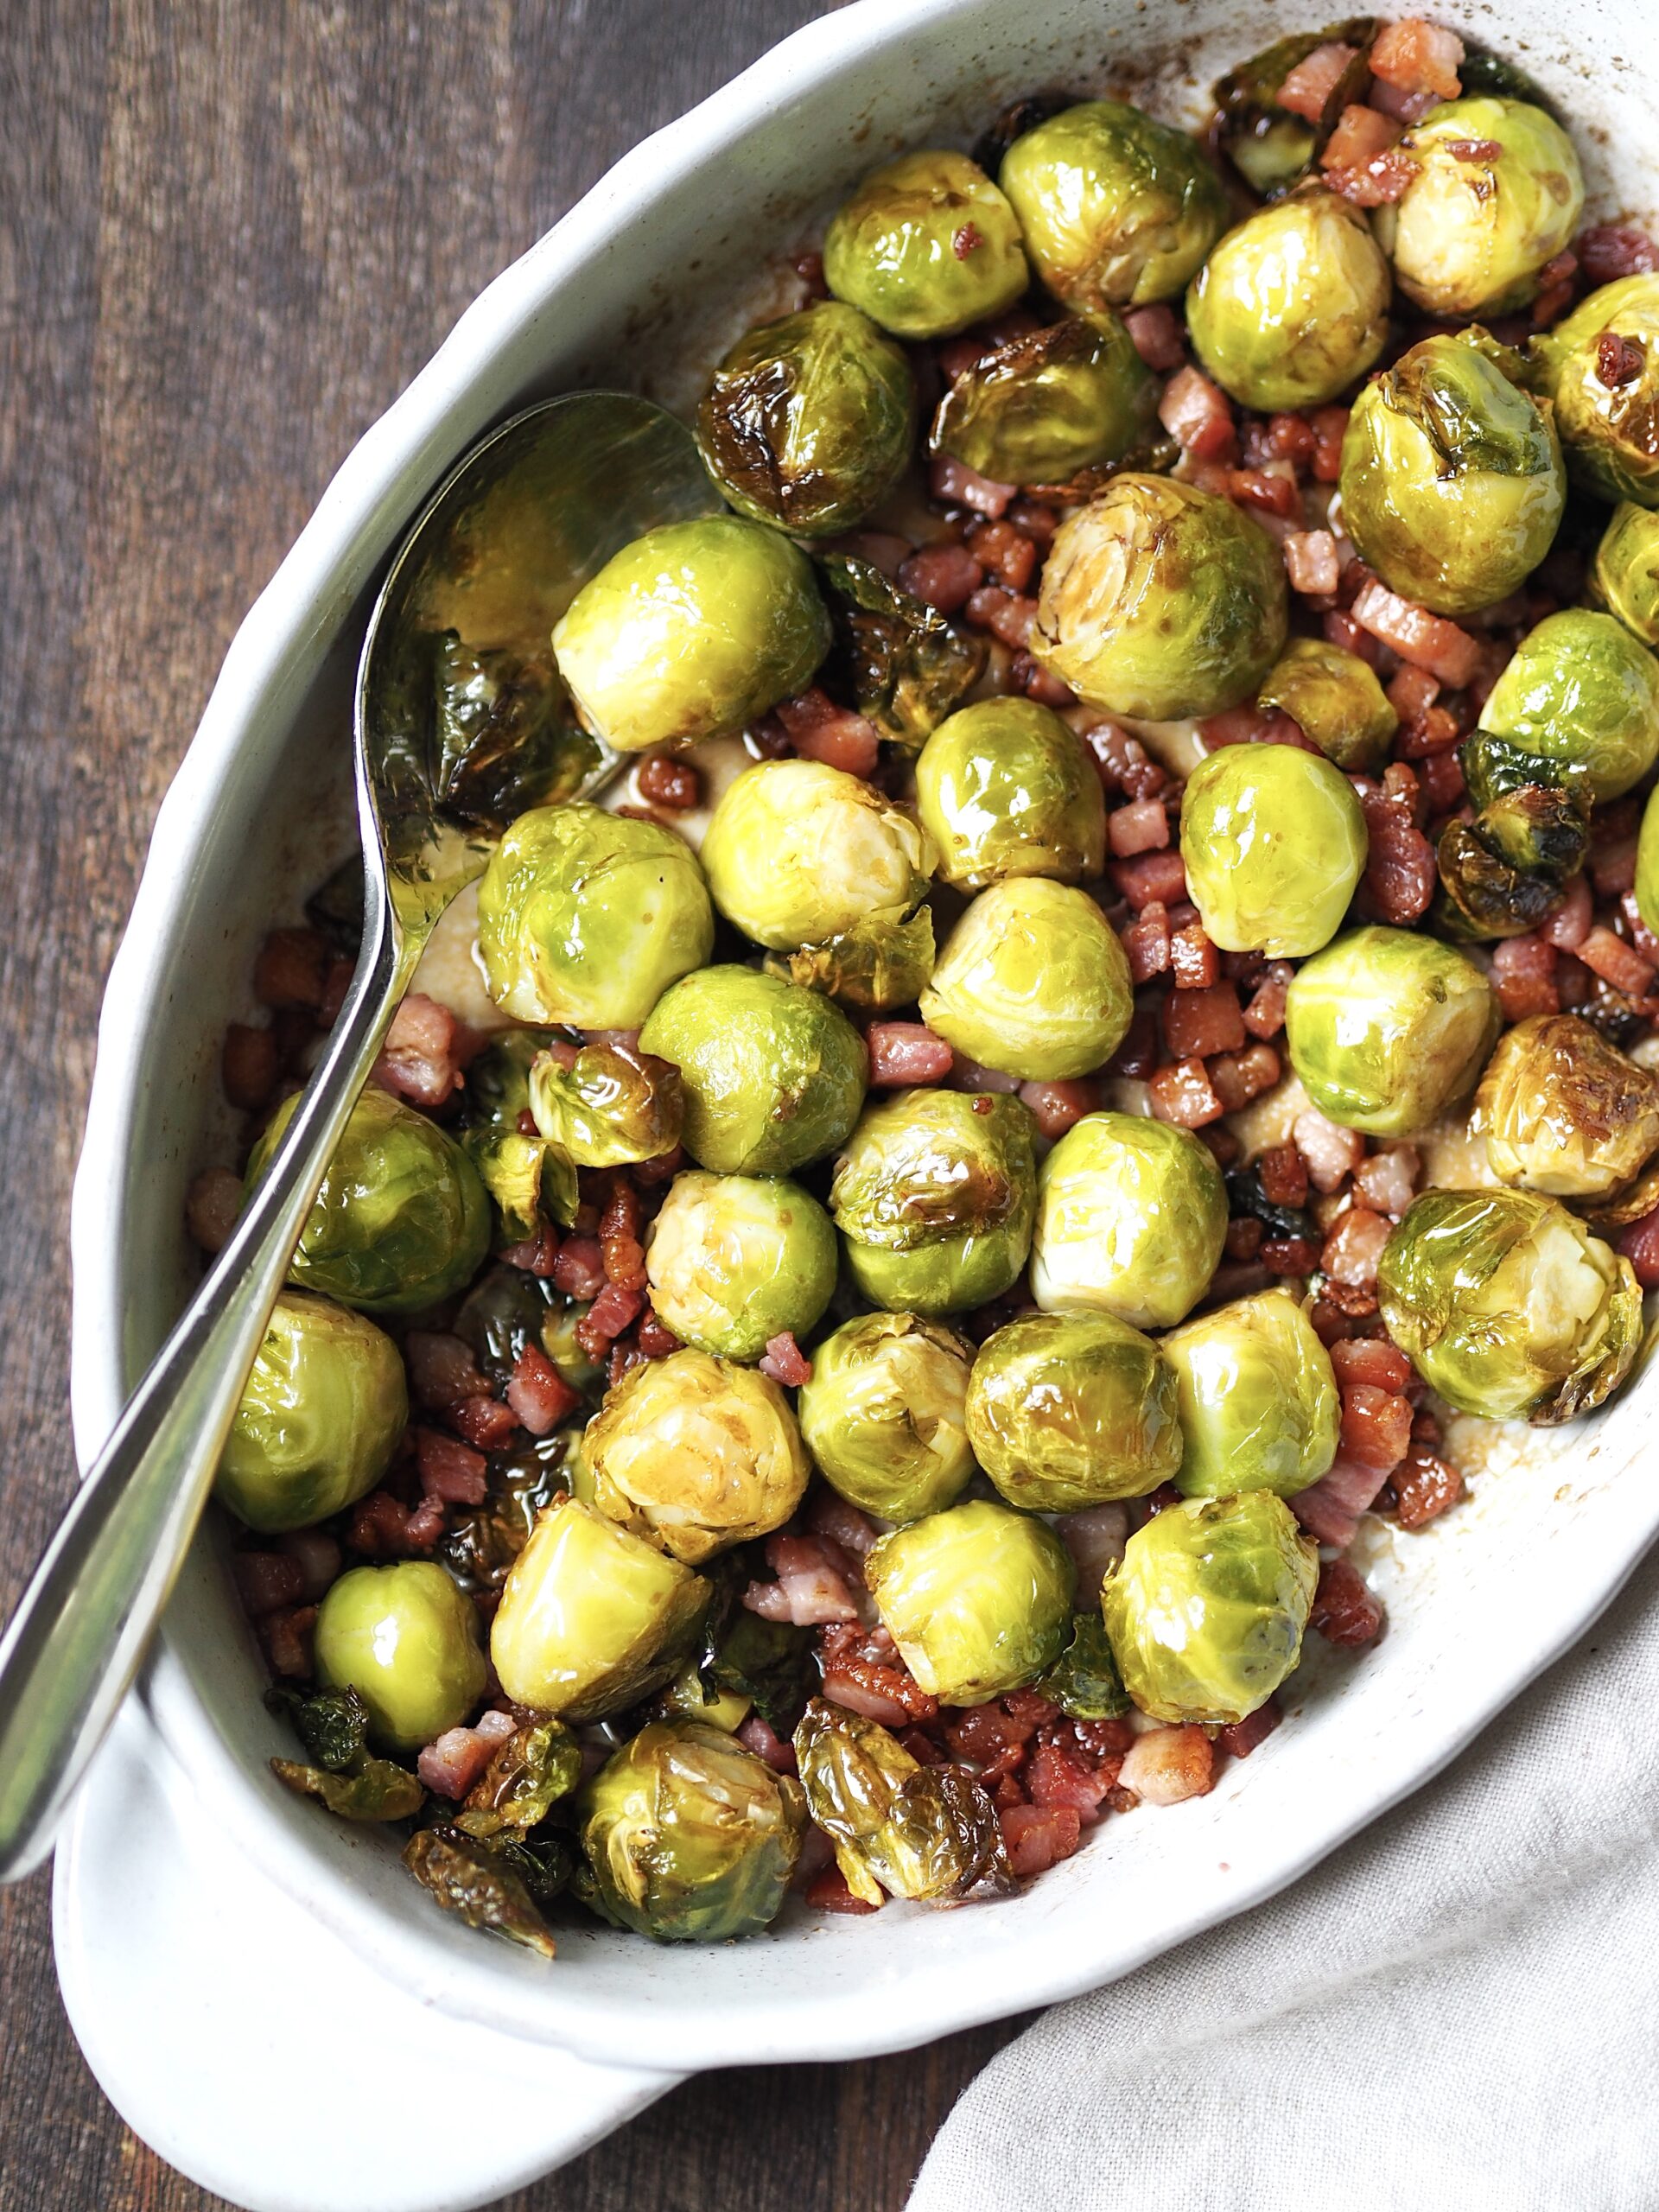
x,y
231,231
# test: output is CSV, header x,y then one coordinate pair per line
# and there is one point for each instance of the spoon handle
x,y
76,1641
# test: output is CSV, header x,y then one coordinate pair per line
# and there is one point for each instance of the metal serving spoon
x,y
533,510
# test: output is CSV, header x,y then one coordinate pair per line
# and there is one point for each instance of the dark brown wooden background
x,y
229,234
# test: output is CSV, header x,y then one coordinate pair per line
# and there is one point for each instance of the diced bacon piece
x,y
1165,1765
1158,337
1266,492
1427,640
417,1061
1387,1180
538,1394
1310,562
484,1422
785,1361
1151,876
955,485
1239,1077
1200,1022
805,1599
451,1472
613,1311
1265,1014
1344,1612
1198,415
292,970
1240,1737
285,1637
1331,1151
1306,90
1614,250
864,1689
1123,764
1039,1836
1095,1538
1616,963
1330,1508
316,1554
1054,1776
1141,827
1246,724
1376,1425
1417,56
1182,1094
1612,866
1386,177
1290,1256
1412,692
903,1053
1059,1103
946,576
1362,133
663,781
1008,618
820,730
829,1515
1283,1175
827,1892
1524,975
1004,552
1644,940
247,1066
1424,1487
211,1207
441,1368
1194,961
538,1257
1400,865
452,1763
1639,1244
1354,1245
265,1581
579,1270
757,1736
1146,943
1441,778
991,1739
969,1075
1039,683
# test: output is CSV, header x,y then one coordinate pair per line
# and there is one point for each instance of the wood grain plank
x,y
233,229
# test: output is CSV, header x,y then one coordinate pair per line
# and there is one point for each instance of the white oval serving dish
x,y
646,273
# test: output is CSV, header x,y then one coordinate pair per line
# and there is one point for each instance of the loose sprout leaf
x,y
1013,121
524,1781
501,740
608,1108
1245,1196
379,1790
467,1876
770,1663
510,1167
1489,76
876,965
1084,1682
1492,768
527,1178
544,1861
927,1833
332,1724
500,1315
904,665
481,1546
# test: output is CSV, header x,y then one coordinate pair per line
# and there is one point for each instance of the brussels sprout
x,y
695,1454
1647,865
402,1219
1160,601
903,665
1626,573
1116,210
807,422
1067,1410
1500,875
735,1260
378,1789
1033,980
1506,1305
926,246
872,966
978,1600
1271,148
604,1106
1258,1398
883,1415
1389,1030
1580,695
1607,431
1335,699
1006,788
1293,305
934,1195
586,916
797,852
1072,395
1452,487
929,1833
692,631
773,1074
591,1618
319,1418
1274,844
1498,195
691,1838
1207,1609
1563,1111
1131,1216
406,1640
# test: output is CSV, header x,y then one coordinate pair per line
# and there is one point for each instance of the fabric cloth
x,y
1458,2009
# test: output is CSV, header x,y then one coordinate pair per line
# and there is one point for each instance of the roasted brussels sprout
x,y
1207,1609
695,1454
406,1640
1501,873
735,1260
797,853
1452,487
1293,305
1006,788
1067,1410
1116,210
773,1073
1647,865
604,1106
1072,395
1563,1111
1506,1305
1335,699
319,1418
902,665
872,966
1160,601
883,1415
928,1832
926,246
807,422
692,631
1271,148
591,1618
1033,980
933,1195
1607,430
1496,196
1581,695
586,916
1387,1030
1275,845
1257,1399
978,1600
1626,572
691,1837
402,1219
1131,1216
